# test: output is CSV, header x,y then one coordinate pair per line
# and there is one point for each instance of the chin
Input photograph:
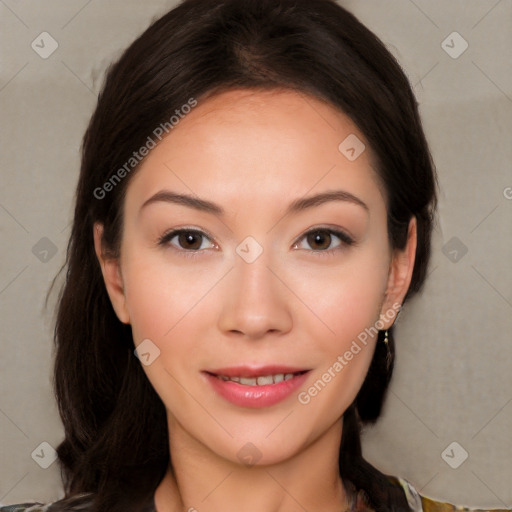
x,y
264,450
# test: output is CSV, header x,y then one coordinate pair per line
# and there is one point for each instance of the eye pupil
x,y
317,237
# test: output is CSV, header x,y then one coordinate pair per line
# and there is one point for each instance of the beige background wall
x,y
453,380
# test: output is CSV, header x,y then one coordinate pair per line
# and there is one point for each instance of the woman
x,y
255,205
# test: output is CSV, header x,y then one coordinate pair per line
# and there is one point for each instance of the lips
x,y
261,386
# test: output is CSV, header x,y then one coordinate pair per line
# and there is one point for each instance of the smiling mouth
x,y
256,387
263,380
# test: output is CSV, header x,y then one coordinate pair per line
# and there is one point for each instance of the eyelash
x,y
345,239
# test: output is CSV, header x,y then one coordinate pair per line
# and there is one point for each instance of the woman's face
x,y
249,288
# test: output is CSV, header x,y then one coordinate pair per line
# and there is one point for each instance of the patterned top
x,y
358,503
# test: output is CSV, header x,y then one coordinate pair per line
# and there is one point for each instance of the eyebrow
x,y
296,206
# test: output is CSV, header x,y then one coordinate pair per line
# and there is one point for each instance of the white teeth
x,y
248,381
265,380
259,381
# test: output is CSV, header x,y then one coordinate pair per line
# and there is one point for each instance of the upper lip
x,y
255,371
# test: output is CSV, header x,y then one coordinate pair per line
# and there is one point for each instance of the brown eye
x,y
189,240
324,240
319,240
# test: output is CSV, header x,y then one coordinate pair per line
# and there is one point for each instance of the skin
x,y
253,153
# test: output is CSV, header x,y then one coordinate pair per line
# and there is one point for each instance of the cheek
x,y
342,301
344,341
161,296
173,306
164,302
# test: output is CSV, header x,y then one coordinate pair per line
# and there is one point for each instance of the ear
x,y
399,279
111,270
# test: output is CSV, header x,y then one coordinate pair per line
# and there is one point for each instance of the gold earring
x,y
386,337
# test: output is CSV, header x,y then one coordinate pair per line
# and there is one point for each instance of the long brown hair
x,y
116,439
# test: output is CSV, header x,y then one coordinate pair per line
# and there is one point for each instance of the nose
x,y
255,300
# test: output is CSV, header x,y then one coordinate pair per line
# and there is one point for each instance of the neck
x,y
201,480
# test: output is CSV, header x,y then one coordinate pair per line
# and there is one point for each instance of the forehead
x,y
249,144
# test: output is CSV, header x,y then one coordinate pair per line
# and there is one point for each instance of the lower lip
x,y
256,396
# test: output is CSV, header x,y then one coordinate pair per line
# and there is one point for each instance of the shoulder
x,y
25,507
81,502
419,503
